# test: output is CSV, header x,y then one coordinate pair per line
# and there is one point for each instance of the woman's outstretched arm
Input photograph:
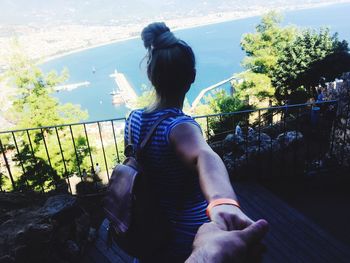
x,y
196,153
190,145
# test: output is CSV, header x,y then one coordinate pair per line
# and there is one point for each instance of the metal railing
x,y
276,141
41,158
69,151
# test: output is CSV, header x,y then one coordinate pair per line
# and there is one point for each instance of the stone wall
x,y
261,154
47,228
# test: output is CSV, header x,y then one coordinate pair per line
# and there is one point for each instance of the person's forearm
x,y
213,176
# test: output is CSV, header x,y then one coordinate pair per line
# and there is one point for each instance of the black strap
x,y
148,136
181,203
129,129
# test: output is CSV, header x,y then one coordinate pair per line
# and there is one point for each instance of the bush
x,y
222,103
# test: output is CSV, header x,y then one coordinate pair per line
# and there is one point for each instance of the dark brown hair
x,y
170,61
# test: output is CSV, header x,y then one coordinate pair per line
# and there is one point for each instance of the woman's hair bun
x,y
158,35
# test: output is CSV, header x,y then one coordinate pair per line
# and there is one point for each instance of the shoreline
x,y
185,27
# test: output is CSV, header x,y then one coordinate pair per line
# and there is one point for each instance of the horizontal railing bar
x,y
63,125
269,108
195,117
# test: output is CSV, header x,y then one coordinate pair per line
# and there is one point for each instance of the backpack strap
x,y
129,129
133,150
129,147
148,136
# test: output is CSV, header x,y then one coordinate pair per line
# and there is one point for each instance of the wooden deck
x,y
293,238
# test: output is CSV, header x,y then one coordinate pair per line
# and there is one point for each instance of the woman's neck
x,y
173,103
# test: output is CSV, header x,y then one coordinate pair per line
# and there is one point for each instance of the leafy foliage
x,y
2,180
147,98
38,174
287,62
34,105
298,65
225,103
255,87
263,49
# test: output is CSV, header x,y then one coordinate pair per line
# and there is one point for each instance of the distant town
x,y
43,42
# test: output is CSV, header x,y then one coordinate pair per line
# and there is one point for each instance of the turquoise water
x,y
216,47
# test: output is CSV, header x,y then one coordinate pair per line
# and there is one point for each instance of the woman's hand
x,y
229,217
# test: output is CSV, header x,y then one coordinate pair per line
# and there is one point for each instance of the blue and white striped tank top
x,y
173,181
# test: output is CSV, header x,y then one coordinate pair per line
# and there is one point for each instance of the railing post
x,y
19,157
103,149
283,166
7,165
246,138
333,126
345,131
115,142
88,143
296,140
75,150
234,139
208,133
46,149
33,155
63,160
30,144
271,152
259,120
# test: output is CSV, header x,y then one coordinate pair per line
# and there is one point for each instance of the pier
x,y
72,86
125,93
204,91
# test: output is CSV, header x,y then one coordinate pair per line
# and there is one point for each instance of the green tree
x,y
76,161
326,69
294,69
222,103
2,180
147,98
34,105
263,49
254,87
264,46
38,174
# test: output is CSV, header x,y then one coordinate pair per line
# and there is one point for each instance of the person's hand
x,y
229,217
214,245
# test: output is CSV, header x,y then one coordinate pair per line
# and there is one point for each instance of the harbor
x,y
125,93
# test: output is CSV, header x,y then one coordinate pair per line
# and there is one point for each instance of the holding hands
x,y
229,217
214,245
231,236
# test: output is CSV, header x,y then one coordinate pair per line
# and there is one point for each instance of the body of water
x,y
217,48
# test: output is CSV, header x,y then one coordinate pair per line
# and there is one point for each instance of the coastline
x,y
50,58
172,23
184,24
